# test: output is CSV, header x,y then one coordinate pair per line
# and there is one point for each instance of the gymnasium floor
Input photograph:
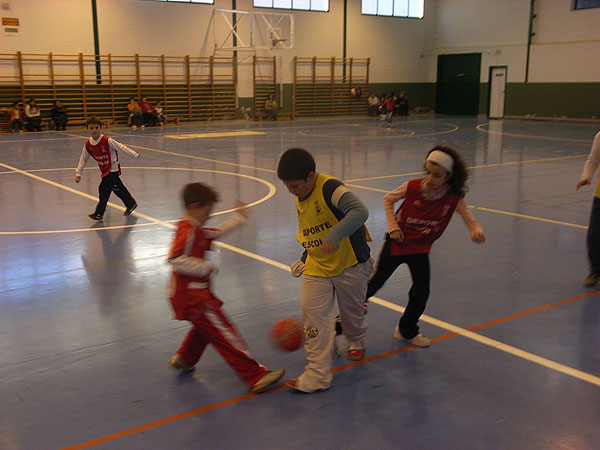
x,y
86,330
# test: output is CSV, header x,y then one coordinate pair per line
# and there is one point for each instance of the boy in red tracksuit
x,y
104,150
192,297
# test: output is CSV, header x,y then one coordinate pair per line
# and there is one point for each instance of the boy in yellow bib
x,y
336,264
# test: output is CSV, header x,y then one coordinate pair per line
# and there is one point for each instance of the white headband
x,y
443,159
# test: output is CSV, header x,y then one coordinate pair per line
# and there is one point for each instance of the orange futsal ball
x,y
287,334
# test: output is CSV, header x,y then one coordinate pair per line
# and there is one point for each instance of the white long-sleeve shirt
x,y
591,164
114,160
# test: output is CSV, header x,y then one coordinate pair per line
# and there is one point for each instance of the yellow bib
x,y
315,219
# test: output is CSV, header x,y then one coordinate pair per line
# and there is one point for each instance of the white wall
x,y
566,46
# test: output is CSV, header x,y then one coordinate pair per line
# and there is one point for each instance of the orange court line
x,y
242,398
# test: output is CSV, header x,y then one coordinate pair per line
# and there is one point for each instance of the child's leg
x,y
350,287
386,265
104,191
121,191
318,301
192,347
418,294
593,237
215,328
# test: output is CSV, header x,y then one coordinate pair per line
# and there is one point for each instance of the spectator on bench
x,y
135,113
59,115
33,115
148,112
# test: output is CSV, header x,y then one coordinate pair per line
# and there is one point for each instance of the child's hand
x,y
478,236
77,178
242,209
137,155
582,182
397,235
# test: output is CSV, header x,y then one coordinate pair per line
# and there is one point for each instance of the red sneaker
x,y
356,354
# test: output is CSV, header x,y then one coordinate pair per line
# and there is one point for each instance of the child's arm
x,y
388,203
355,215
476,230
83,159
239,217
591,163
118,146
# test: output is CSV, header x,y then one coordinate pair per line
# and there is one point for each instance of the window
x,y
396,8
305,5
584,4
207,2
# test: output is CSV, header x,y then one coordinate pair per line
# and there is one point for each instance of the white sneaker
x,y
419,340
267,380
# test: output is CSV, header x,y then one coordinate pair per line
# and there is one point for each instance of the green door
x,y
457,90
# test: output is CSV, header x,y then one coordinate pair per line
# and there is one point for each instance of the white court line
x,y
584,376
589,378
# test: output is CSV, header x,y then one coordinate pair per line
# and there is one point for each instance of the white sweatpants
x,y
318,316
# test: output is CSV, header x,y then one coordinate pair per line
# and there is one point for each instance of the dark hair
x,y
93,121
295,164
198,193
14,103
460,172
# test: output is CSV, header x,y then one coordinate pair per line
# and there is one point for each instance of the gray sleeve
x,y
355,215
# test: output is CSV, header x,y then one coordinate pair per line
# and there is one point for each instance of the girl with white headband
x,y
421,219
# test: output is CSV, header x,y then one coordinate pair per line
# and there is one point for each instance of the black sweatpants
x,y
112,183
418,264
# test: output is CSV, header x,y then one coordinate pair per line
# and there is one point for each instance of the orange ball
x,y
287,334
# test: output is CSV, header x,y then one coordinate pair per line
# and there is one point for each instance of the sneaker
x,y
267,380
177,363
293,384
592,280
418,341
95,216
130,210
356,354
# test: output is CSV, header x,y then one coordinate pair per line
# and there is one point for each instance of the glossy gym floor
x,y
86,329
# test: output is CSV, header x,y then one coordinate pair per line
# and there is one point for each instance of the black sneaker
x,y
130,209
95,216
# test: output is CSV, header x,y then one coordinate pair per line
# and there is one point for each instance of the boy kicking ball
x,y
192,297
104,150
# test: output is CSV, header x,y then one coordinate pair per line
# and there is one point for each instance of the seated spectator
x,y
161,114
59,115
33,115
148,112
373,102
15,113
271,107
135,113
402,104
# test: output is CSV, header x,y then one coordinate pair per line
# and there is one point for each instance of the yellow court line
x,y
183,155
270,193
548,138
213,134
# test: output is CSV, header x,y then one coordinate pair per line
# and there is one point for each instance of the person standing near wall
x,y
593,234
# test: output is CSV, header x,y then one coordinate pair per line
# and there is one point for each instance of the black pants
x,y
112,183
593,237
418,264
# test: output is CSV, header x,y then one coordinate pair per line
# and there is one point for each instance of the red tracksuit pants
x,y
212,326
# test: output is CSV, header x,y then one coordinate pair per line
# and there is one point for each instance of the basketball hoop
x,y
274,42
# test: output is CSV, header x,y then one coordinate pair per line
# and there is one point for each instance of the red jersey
x,y
422,221
101,153
189,292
